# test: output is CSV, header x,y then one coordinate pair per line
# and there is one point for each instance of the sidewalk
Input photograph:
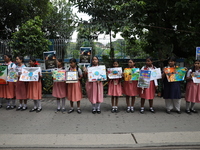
x,y
106,130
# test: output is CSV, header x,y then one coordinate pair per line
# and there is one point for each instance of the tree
x,y
30,40
60,23
15,12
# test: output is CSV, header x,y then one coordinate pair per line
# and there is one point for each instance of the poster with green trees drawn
x,y
3,74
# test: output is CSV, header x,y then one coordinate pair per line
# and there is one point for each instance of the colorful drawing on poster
x,y
131,74
97,73
71,77
196,77
58,75
144,79
3,74
30,74
135,72
12,76
156,74
85,55
175,74
50,60
114,73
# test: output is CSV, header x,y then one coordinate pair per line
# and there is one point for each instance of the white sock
x,y
98,105
63,103
13,102
20,105
58,104
39,104
8,102
187,105
35,104
93,106
192,106
24,105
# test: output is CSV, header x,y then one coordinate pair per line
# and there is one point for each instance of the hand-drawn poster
x,y
115,73
3,74
144,79
71,77
12,76
131,74
97,73
85,55
196,77
175,74
156,74
50,60
58,75
30,74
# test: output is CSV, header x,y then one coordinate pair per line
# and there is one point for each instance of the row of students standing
x,y
21,90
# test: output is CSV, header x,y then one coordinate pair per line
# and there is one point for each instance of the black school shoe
x,y
93,111
39,110
98,111
79,111
33,109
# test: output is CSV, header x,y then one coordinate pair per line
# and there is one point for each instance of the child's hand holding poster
x,y
115,73
175,74
30,74
58,75
97,73
144,79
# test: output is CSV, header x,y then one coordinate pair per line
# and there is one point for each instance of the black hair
x,y
150,58
193,68
9,56
33,60
172,59
61,61
97,59
73,60
21,58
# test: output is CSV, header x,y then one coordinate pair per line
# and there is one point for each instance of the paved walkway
x,y
50,129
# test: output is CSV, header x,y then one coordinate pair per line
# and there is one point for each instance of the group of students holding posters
x,y
131,82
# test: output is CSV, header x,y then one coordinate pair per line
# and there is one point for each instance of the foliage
x,y
13,13
60,23
30,40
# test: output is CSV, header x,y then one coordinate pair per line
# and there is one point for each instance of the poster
x,y
196,77
131,74
3,74
197,53
30,74
71,77
144,79
50,60
175,74
97,73
156,74
85,55
58,75
115,73
12,76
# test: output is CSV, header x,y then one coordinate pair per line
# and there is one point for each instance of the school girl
x,y
9,89
35,89
171,90
192,94
21,87
59,89
74,89
114,89
148,93
130,89
94,89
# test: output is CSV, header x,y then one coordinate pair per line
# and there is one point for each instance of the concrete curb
x,y
99,140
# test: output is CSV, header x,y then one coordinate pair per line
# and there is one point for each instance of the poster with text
x,y
12,76
30,74
58,75
97,73
85,55
156,74
50,60
71,77
175,74
144,79
3,74
196,77
114,73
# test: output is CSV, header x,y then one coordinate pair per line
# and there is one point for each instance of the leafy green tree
x,y
30,40
61,21
15,12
